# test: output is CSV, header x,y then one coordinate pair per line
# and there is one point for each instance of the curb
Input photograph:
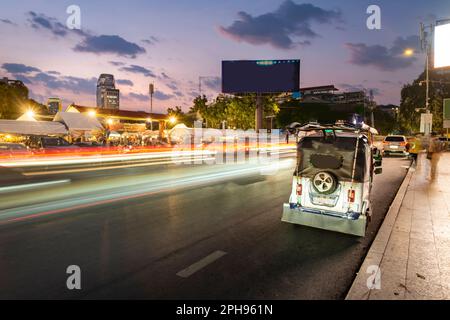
x,y
359,289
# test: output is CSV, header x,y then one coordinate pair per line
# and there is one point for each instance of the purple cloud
x,y
384,58
281,28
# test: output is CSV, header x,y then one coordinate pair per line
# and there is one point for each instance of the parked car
x,y
44,143
13,149
333,179
395,145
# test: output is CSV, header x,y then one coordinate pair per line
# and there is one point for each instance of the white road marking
x,y
189,271
32,185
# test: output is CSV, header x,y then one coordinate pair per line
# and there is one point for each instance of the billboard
x,y
442,44
260,76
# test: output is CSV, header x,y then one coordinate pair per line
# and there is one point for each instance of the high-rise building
x,y
108,97
54,105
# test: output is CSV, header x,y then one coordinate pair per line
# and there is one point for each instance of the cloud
x,y
7,21
213,83
162,96
384,58
125,82
138,69
165,76
151,41
22,78
281,28
172,86
354,88
116,63
18,68
41,21
98,44
74,84
139,96
109,44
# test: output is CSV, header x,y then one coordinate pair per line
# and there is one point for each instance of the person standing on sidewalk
x,y
434,154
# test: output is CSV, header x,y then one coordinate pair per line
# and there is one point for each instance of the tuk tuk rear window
x,y
346,143
394,139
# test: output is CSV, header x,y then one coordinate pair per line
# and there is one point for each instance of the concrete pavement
x,y
410,257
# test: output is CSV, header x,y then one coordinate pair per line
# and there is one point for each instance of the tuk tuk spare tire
x,y
324,182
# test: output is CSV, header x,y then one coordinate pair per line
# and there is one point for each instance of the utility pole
x,y
372,107
151,91
426,46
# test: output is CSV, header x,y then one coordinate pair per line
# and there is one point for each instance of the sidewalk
x,y
412,247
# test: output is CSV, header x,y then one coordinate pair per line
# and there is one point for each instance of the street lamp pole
x,y
426,46
151,90
427,103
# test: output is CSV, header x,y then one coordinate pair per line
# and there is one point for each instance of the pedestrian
x,y
434,154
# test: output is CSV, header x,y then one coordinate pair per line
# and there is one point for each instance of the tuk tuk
x,y
333,177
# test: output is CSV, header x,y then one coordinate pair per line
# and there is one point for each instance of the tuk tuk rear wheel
x,y
324,182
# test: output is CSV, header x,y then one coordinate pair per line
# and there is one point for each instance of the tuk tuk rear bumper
x,y
325,221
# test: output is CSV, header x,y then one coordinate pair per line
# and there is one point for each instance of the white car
x,y
333,180
395,145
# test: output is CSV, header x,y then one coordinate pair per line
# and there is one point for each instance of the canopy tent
x,y
180,133
78,121
26,117
32,127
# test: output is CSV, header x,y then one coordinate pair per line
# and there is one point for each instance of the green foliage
x,y
13,101
385,122
413,97
237,112
186,118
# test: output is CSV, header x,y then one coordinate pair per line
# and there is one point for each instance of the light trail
x,y
29,186
147,164
75,159
131,190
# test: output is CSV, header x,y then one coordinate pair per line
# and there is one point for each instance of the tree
x,y
413,97
13,100
237,112
186,118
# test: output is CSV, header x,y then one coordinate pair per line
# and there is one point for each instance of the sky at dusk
x,y
173,43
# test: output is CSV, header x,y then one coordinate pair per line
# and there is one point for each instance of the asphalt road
x,y
213,237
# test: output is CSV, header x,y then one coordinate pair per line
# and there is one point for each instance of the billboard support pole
x,y
259,112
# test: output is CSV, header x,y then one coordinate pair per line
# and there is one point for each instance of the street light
x,y
151,91
30,113
408,52
92,113
109,121
173,120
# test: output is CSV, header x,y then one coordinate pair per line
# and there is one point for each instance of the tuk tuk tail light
x,y
299,189
351,196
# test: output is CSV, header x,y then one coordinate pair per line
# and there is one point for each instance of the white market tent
x,y
26,117
78,121
32,127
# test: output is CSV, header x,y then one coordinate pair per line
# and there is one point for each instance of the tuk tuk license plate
x,y
324,201
394,147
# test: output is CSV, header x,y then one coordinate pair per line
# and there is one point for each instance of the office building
x,y
108,97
